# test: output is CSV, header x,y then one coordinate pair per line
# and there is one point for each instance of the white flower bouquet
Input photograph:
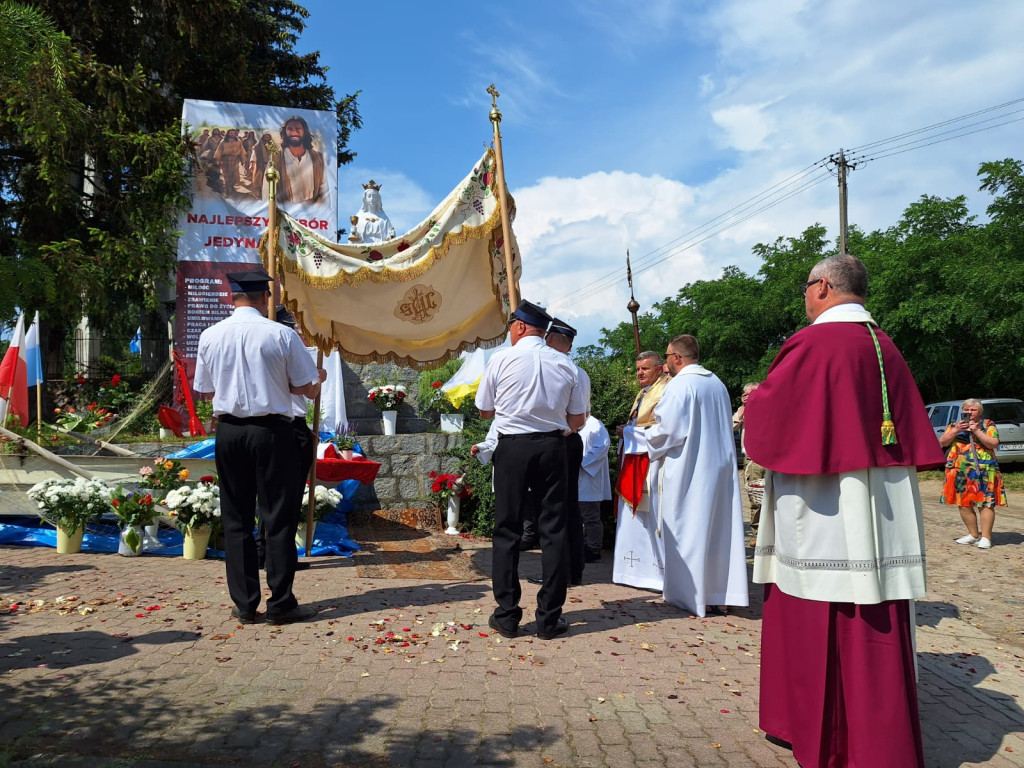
x,y
195,506
71,504
326,501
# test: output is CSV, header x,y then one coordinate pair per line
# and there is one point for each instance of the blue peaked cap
x,y
562,327
531,314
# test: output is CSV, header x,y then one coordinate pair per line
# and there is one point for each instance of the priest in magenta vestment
x,y
841,428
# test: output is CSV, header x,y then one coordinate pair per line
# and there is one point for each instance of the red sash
x,y
632,476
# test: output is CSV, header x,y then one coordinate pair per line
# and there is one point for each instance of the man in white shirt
x,y
253,366
533,394
560,337
306,445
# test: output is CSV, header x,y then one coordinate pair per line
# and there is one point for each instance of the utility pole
x,y
839,161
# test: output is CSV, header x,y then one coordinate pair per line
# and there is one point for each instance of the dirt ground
x,y
982,587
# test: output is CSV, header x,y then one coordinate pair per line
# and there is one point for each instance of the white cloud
x,y
635,124
573,235
746,125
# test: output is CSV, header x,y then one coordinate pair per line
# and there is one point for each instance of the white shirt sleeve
x,y
484,400
634,439
301,368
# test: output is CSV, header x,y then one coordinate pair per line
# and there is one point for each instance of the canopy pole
x,y
312,469
53,458
272,176
513,289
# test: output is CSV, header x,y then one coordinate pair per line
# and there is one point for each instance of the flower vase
x,y
69,542
300,535
451,422
130,534
453,515
151,537
195,542
346,454
390,421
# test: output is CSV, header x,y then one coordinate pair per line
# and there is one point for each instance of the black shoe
x,y
509,633
528,543
561,627
592,556
243,617
778,742
303,565
532,580
298,613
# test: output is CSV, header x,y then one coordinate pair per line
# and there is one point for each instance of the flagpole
x,y
513,289
272,175
312,470
39,383
39,411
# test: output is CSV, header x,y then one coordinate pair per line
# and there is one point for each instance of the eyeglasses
x,y
671,354
808,284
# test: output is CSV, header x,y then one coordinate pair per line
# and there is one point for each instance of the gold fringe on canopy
x,y
418,299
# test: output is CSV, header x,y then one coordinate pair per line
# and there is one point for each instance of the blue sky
x,y
632,124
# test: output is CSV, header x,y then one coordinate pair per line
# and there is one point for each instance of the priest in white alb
x,y
697,493
639,552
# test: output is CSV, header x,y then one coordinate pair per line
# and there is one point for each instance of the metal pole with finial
x,y
634,305
513,289
272,175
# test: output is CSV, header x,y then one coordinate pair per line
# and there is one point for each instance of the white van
x,y
1007,413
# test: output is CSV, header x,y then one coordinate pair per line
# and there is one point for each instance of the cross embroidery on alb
x,y
631,558
660,566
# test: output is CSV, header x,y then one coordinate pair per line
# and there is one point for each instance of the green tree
x,y
94,172
612,385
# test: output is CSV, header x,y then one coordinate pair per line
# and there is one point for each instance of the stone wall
x,y
403,482
406,463
406,459
363,416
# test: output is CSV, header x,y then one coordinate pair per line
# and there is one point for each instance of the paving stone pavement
x,y
112,661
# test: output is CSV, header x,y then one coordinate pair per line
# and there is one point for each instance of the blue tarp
x,y
331,537
201,450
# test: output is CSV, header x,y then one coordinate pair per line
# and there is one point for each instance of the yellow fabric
x,y
459,393
651,399
466,381
418,299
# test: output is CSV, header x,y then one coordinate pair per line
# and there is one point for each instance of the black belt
x,y
532,435
259,421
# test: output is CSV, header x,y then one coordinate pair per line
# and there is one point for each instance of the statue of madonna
x,y
372,224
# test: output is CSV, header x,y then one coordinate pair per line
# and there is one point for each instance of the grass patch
x,y
1013,477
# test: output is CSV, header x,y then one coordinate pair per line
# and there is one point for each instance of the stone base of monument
x,y
420,519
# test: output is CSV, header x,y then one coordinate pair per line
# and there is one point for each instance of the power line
x,y
942,124
613,278
917,145
760,202
773,195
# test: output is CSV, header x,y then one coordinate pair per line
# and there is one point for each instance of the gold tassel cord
x,y
888,427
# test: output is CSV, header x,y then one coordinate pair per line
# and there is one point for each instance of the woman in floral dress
x,y
973,478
